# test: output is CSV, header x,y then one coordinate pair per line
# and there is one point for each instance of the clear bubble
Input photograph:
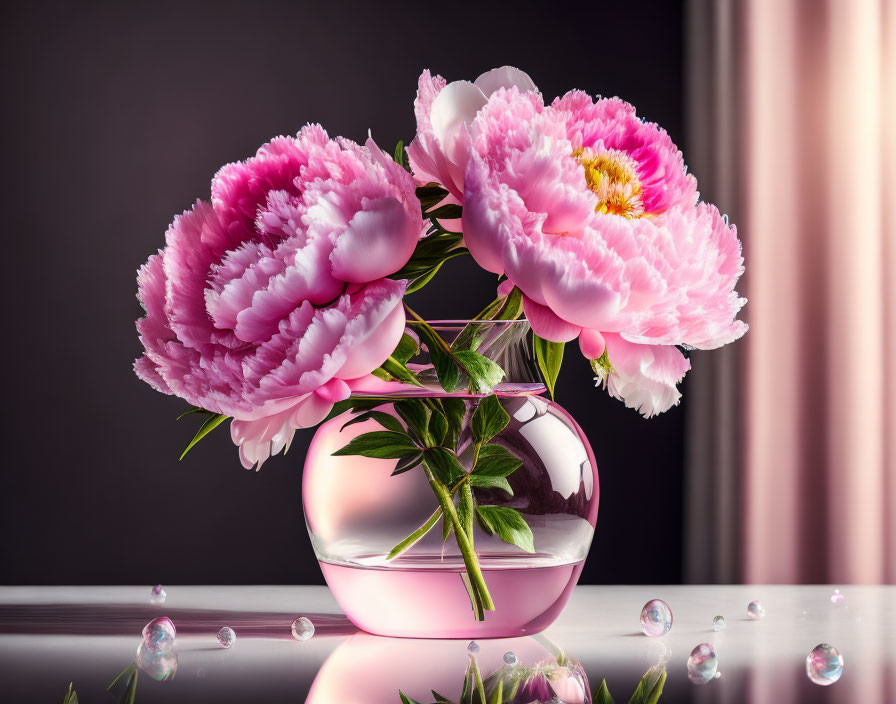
x,y
157,595
161,665
702,664
226,637
719,624
510,658
755,611
473,648
824,665
302,628
718,674
837,599
656,618
159,634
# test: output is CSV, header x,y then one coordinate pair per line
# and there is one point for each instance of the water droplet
x,y
824,664
837,599
702,664
725,219
718,674
157,595
719,624
755,611
510,658
226,637
161,665
302,628
473,648
159,634
656,618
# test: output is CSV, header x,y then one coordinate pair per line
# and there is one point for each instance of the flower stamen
x,y
613,177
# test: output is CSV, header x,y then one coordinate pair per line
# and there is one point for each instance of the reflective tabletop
x,y
50,636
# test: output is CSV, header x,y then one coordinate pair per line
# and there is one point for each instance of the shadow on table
x,y
126,619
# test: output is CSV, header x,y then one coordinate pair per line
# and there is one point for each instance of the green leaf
x,y
192,411
484,373
399,371
440,355
406,699
446,212
407,348
415,413
509,525
549,356
429,195
496,461
124,686
212,422
71,696
380,444
489,482
497,696
512,307
455,411
440,699
400,157
489,419
438,428
355,404
407,463
444,464
650,687
416,535
603,694
389,422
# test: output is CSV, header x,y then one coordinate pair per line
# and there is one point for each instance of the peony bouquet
x,y
279,303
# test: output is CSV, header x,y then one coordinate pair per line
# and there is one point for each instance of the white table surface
x,y
52,635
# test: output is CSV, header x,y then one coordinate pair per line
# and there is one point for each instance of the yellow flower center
x,y
613,176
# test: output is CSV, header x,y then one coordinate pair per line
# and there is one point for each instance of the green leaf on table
x,y
508,524
389,422
416,535
405,699
440,699
71,696
549,356
415,413
407,463
489,419
484,373
446,212
124,686
650,687
380,444
212,422
496,461
444,464
603,694
407,348
429,195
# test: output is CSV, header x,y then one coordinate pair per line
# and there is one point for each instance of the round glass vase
x,y
357,511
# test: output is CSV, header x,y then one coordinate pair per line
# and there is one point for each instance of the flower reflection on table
x,y
372,670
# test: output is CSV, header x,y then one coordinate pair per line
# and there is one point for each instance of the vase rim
x,y
464,323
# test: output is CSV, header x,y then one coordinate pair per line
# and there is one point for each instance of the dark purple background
x,y
115,117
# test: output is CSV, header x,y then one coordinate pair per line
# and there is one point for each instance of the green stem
x,y
471,560
416,535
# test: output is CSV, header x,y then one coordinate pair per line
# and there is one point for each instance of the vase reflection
x,y
368,669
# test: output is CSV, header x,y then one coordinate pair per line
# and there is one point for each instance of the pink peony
x,y
440,151
271,303
590,213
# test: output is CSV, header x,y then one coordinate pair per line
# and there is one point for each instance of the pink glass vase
x,y
356,512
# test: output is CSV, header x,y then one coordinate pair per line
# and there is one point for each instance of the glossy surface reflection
x,y
87,635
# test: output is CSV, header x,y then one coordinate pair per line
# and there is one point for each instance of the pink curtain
x,y
818,219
